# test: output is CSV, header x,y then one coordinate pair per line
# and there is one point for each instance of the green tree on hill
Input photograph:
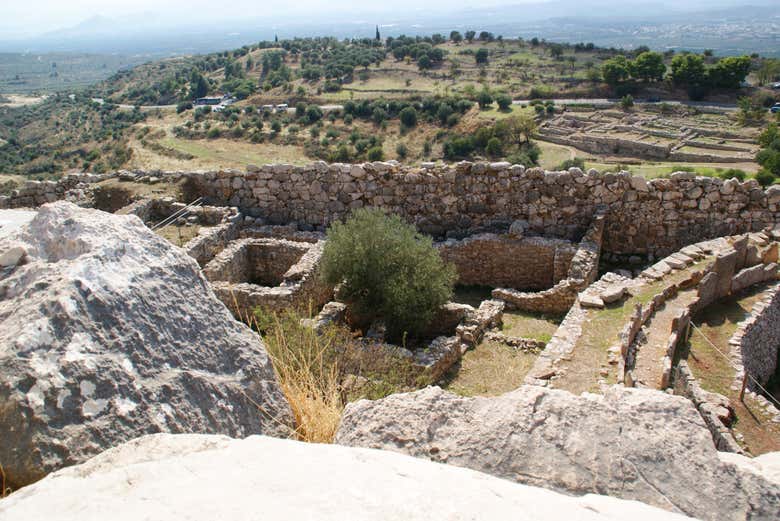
x,y
485,99
199,87
481,56
688,69
615,70
648,66
408,117
729,73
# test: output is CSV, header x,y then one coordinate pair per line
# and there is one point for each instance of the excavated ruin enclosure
x,y
534,239
270,274
211,227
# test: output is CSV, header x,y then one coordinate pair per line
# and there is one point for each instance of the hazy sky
x,y
38,16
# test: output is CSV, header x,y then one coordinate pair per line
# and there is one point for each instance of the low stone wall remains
x,y
289,270
220,224
714,408
582,272
70,187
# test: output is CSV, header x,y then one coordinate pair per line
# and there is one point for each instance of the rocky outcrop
x,y
108,332
629,443
207,478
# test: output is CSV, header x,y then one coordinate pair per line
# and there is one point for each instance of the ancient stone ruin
x,y
614,401
655,136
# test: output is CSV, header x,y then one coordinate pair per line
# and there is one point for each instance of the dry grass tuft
x,y
309,375
4,490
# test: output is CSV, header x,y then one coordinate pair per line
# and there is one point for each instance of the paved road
x,y
131,107
611,102
606,102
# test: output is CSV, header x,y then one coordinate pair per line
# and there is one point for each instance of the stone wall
x,y
503,260
220,224
272,274
756,342
714,408
656,217
582,272
70,187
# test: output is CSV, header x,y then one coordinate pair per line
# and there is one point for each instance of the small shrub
x,y
493,147
408,117
387,270
733,173
627,101
375,154
183,106
577,162
313,113
504,101
485,99
402,151
765,178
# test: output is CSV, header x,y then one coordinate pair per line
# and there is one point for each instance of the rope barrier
x,y
171,218
747,375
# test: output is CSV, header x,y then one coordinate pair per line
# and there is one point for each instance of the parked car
x,y
776,85
775,108
653,99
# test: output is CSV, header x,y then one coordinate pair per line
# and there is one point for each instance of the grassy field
x,y
489,370
530,325
553,155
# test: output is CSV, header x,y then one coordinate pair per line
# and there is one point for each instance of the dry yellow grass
x,y
309,377
4,490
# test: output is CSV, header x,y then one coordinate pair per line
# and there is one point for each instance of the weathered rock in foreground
x,y
108,332
207,478
630,443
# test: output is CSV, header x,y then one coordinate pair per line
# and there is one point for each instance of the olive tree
x,y
386,270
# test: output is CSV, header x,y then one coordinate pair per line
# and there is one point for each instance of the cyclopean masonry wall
x,y
644,217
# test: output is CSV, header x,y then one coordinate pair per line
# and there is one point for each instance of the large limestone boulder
x,y
108,332
207,478
630,443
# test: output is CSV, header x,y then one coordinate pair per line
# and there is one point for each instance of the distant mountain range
x,y
693,24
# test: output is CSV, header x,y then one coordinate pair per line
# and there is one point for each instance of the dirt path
x,y
588,365
754,429
648,369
